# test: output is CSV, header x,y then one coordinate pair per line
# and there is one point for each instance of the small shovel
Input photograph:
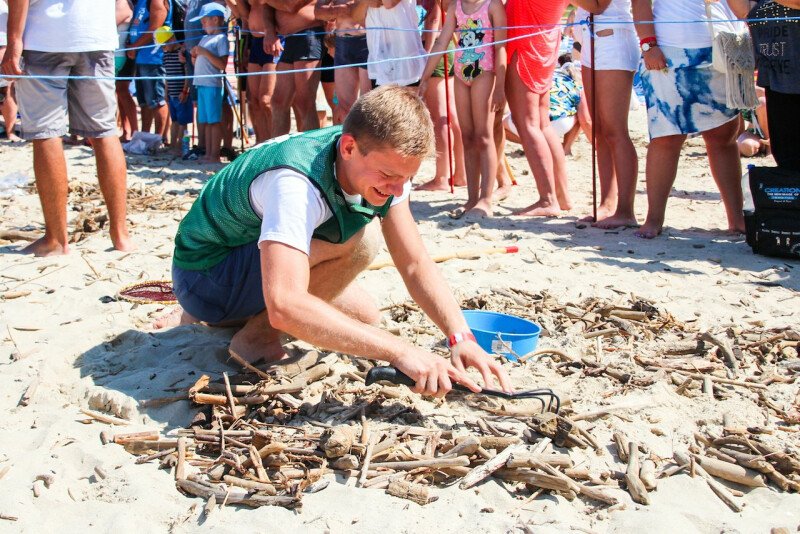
x,y
392,374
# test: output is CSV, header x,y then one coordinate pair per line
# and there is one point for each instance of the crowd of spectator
x,y
183,54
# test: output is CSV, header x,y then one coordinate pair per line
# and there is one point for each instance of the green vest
x,y
222,218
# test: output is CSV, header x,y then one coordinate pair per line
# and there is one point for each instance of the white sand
x,y
87,353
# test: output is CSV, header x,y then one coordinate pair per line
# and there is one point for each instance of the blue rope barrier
x,y
549,27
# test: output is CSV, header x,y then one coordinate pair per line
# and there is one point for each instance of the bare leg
x,y
9,112
213,138
761,113
480,95
557,153
147,118
305,96
282,101
504,180
526,110
614,87
347,84
255,103
127,110
662,166
471,154
161,116
50,170
226,125
112,175
436,100
726,168
333,271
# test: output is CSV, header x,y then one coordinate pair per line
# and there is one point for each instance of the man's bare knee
x,y
367,243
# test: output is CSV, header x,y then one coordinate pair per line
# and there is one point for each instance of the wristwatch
x,y
647,43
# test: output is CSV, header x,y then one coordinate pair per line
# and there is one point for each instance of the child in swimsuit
x,y
480,64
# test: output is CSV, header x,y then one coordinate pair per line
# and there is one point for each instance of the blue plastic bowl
x,y
494,331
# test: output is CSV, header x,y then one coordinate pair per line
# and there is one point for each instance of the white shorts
x,y
560,126
618,51
563,125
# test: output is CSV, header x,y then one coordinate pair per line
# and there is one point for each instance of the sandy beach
x,y
62,329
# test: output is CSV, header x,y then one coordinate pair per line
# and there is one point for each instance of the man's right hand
x,y
433,374
11,58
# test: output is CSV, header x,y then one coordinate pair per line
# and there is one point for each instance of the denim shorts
x,y
151,93
209,104
180,112
228,291
50,107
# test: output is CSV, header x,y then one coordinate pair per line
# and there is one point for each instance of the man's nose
x,y
396,189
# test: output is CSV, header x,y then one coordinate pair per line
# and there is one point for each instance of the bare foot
x,y
122,242
256,347
14,138
459,182
539,209
45,246
602,213
482,209
501,193
564,202
616,221
460,212
648,231
437,184
737,230
177,317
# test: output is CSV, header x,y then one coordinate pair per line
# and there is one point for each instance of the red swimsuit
x,y
537,54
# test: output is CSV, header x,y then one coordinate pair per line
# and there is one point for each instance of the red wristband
x,y
458,337
651,39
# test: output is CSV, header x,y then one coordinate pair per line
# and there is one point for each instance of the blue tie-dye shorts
x,y
688,97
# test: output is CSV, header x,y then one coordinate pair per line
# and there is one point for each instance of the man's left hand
x,y
469,354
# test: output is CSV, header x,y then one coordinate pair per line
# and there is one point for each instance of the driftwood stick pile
x,y
268,438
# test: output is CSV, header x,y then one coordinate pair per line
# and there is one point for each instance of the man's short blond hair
x,y
391,117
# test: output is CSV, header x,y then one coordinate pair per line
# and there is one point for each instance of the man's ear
x,y
347,146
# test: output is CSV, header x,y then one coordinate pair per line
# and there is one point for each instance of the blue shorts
x,y
305,45
351,49
229,291
209,104
181,112
151,93
257,54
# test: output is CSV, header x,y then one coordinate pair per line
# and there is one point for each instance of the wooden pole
x,y
451,178
593,114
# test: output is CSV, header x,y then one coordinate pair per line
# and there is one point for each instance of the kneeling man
x,y
277,238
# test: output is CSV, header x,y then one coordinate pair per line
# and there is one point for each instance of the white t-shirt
x,y
74,26
386,44
689,34
617,14
3,22
291,207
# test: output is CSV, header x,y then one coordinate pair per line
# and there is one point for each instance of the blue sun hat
x,y
211,10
